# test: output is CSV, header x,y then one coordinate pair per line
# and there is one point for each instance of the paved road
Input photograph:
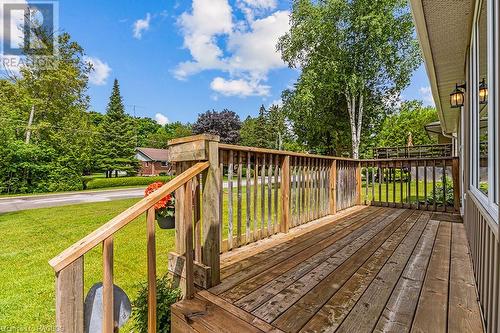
x,y
13,204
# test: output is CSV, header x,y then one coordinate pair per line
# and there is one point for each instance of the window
x,y
484,128
164,164
480,89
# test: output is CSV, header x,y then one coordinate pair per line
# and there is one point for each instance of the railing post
x,y
455,174
332,202
285,194
69,298
182,151
358,183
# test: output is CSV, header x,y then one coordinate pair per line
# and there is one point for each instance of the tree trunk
x,y
355,105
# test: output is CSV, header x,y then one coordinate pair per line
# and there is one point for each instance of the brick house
x,y
153,161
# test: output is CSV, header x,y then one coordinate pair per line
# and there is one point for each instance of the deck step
x,y
202,314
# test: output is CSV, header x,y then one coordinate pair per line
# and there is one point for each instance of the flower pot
x,y
166,222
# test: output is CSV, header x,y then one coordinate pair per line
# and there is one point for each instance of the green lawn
x,y
32,237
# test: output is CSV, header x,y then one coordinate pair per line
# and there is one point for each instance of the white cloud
x,y
161,119
267,4
254,51
426,94
245,49
141,25
277,102
239,87
207,20
100,71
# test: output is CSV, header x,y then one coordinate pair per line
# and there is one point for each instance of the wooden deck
x,y
366,269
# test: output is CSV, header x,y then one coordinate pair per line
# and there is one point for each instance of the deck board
x,y
367,270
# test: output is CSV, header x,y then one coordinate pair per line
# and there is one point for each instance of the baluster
x,y
386,175
401,176
230,201
197,218
151,249
269,195
434,183
239,204
255,197
221,198
416,185
108,323
373,183
425,186
188,238
333,187
393,166
285,194
262,197
444,185
248,201
276,185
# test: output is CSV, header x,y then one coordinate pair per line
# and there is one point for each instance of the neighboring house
x,y
153,161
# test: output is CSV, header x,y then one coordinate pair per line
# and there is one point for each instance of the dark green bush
x,y
439,198
166,295
124,181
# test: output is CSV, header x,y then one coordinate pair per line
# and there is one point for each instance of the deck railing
x,y
418,183
420,151
228,196
266,191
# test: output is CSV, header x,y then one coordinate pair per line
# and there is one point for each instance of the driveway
x,y
13,204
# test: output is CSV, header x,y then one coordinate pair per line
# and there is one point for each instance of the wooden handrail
x,y
224,146
87,243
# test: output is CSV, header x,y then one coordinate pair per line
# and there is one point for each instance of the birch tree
x,y
362,51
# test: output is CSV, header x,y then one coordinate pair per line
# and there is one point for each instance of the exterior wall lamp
x,y
483,92
457,96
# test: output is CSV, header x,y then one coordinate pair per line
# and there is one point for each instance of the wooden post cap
x,y
205,137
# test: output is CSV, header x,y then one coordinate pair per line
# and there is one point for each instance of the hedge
x,y
96,183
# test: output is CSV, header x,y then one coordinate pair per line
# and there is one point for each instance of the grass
x,y
388,192
32,237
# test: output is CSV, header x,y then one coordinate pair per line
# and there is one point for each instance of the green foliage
x,y
411,118
166,295
353,55
268,130
117,138
170,131
226,124
59,149
439,197
95,183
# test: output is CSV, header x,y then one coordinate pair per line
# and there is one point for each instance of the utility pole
x,y
30,121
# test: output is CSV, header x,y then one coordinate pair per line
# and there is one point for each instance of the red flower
x,y
162,203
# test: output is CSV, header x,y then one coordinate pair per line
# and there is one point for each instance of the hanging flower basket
x,y
164,209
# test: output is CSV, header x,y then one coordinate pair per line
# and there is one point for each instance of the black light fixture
x,y
457,96
483,92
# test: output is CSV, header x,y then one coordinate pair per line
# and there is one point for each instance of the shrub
x,y
439,199
124,181
166,295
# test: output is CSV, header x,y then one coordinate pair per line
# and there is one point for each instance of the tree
x,y
357,51
59,148
168,132
412,118
226,124
117,137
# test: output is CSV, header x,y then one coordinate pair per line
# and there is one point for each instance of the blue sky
x,y
176,59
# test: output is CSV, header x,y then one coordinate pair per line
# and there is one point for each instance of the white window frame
x,y
490,201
